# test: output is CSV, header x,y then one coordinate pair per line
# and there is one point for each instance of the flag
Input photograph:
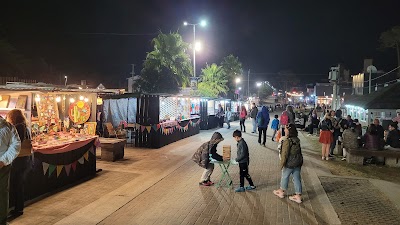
x,y
148,128
51,169
81,160
45,167
67,169
73,165
59,169
86,155
92,151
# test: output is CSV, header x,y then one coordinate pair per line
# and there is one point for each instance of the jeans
x,y
273,135
253,120
242,121
4,188
333,144
262,131
228,122
244,173
296,179
207,172
19,169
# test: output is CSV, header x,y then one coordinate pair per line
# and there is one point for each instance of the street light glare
x,y
198,46
185,23
258,84
203,23
237,80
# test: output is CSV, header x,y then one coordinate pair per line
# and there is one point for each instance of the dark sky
x,y
306,37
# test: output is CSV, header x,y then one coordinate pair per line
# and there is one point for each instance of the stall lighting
x,y
99,101
58,99
174,98
72,100
81,98
37,98
86,99
64,98
1,98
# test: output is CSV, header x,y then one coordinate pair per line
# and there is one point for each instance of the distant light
x,y
86,99
80,87
65,77
58,99
81,98
203,23
72,100
237,80
240,88
258,84
185,23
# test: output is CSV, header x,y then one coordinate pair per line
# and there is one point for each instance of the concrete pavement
x,y
160,186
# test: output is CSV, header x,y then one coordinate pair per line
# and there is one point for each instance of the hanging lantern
x,y
99,101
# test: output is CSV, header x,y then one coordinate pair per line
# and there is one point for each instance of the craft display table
x,y
112,148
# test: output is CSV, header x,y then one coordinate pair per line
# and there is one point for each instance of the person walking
x,y
275,126
243,159
228,116
10,145
202,157
262,124
253,115
220,116
291,162
337,122
242,119
284,121
325,136
21,164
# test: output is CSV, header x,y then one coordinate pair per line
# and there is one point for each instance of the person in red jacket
x,y
242,119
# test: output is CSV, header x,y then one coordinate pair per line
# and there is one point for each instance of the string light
x,y
86,99
81,98
58,99
72,100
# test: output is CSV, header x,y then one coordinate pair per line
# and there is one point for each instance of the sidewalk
x,y
160,186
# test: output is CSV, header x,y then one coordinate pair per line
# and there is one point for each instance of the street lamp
x,y
237,80
66,79
258,86
202,23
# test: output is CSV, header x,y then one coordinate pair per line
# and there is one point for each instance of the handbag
x,y
295,160
26,145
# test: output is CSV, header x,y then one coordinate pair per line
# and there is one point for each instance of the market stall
x,y
157,120
62,125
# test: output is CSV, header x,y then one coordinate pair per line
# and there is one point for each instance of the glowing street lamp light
x,y
198,46
258,84
237,80
202,23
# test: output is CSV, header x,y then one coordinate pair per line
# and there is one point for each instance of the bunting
x,y
165,130
59,168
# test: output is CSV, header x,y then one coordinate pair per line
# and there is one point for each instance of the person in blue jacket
x,y
275,126
262,124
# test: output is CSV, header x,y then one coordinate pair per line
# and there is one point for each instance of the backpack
x,y
294,160
260,120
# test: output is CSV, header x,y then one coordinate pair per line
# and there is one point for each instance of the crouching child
x,y
204,154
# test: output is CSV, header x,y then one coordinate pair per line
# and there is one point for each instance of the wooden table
x,y
112,148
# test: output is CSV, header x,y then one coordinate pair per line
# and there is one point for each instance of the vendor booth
x,y
62,133
154,120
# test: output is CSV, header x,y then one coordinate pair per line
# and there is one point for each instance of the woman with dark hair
x,y
291,162
371,138
21,164
349,139
242,119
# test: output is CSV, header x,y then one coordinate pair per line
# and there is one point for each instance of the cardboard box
x,y
226,152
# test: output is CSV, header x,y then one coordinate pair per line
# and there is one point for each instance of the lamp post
x,y
202,23
237,80
66,79
258,86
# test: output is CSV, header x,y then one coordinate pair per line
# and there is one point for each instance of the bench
x,y
356,156
112,148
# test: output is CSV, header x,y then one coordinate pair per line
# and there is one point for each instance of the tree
x,y
232,69
167,67
213,81
264,92
391,39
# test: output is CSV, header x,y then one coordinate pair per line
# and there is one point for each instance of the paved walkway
x,y
160,186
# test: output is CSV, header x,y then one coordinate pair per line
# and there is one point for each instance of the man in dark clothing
x,y
392,139
379,129
253,115
243,160
262,124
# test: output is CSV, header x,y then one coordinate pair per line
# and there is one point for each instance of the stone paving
x,y
160,186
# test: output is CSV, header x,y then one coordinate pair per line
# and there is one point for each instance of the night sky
x,y
98,39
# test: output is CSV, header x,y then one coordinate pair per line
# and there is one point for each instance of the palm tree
x,y
213,81
168,66
391,39
232,68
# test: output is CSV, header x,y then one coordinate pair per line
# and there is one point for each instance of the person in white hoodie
x,y
10,146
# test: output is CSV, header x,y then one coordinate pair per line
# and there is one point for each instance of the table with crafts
x,y
60,160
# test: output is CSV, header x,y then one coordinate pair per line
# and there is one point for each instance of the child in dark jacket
x,y
275,126
243,160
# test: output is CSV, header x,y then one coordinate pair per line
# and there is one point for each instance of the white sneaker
x,y
326,158
323,158
344,159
